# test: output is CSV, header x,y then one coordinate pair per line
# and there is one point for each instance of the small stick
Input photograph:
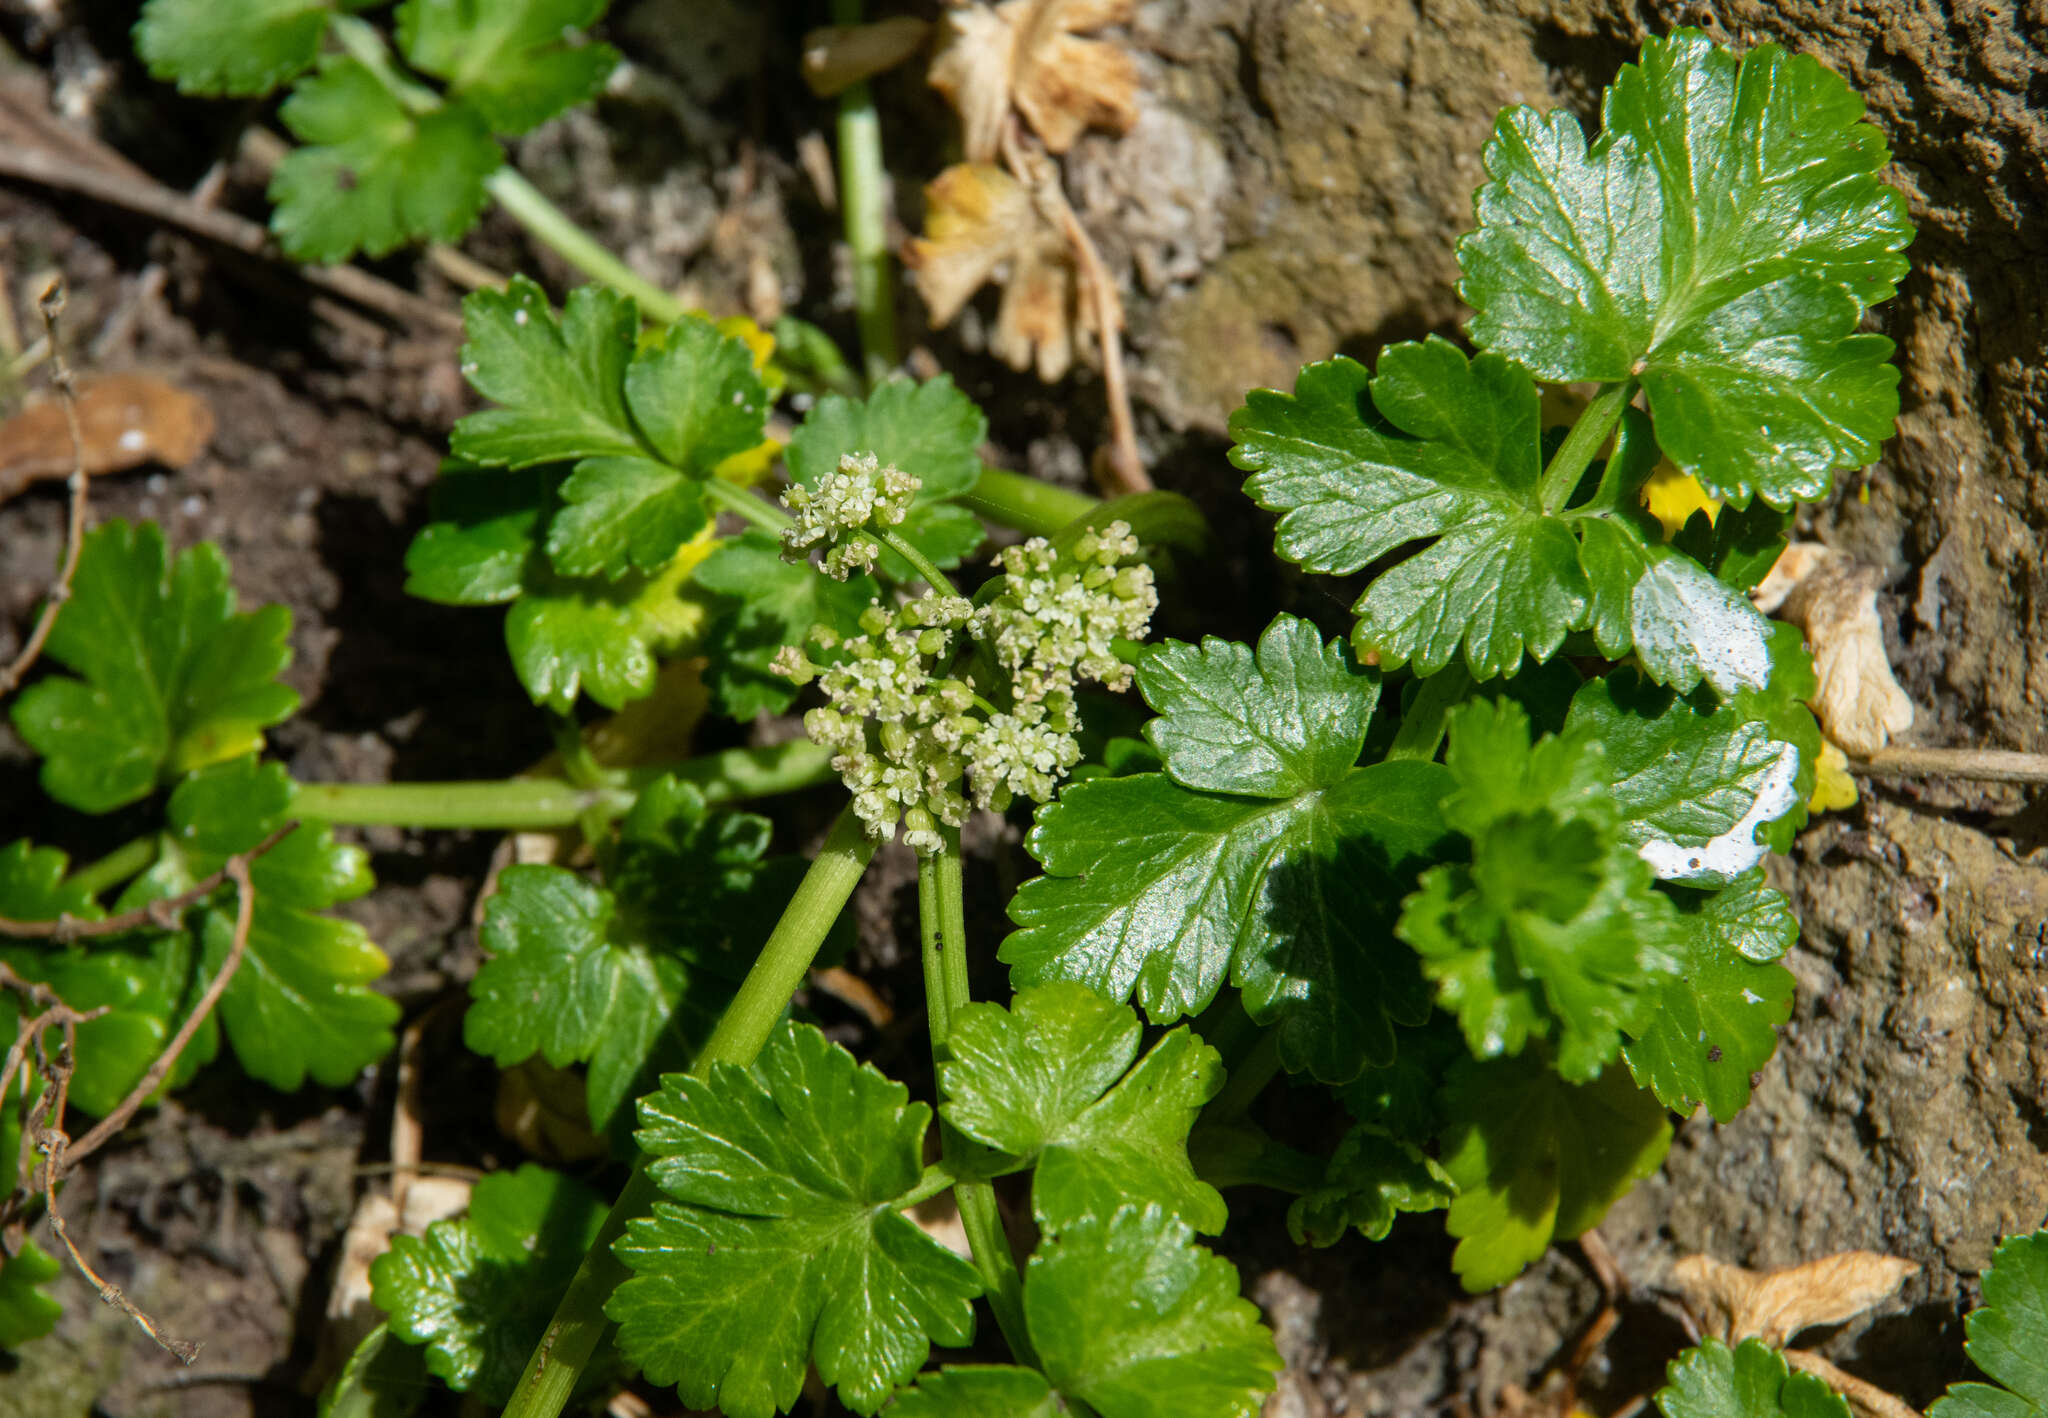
x,y
1982,765
1866,1398
52,306
162,914
245,911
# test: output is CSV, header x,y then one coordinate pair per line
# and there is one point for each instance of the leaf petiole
x,y
1026,504
919,562
579,1322
864,191
767,517
1595,423
529,206
126,860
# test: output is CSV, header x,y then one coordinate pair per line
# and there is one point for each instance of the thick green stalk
x,y
579,1323
535,804
942,932
528,206
1596,421
126,860
1035,508
864,202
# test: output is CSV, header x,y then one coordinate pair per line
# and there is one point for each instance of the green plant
x,y
1487,870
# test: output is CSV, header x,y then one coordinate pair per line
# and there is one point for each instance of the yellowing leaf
x,y
1774,1305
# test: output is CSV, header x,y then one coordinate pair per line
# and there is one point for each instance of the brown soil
x,y
1321,158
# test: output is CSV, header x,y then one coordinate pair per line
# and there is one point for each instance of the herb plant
x,y
1487,870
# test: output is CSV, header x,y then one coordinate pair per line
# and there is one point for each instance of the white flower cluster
x,y
904,731
860,494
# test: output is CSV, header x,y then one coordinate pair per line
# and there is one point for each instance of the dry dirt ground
x,y
1294,188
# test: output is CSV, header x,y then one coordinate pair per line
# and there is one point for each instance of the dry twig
x,y
1866,1399
1980,765
52,306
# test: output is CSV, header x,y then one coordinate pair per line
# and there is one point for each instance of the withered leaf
x,y
1735,1304
1030,53
124,421
1834,600
837,57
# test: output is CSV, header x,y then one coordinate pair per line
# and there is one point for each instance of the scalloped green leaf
x,y
2008,1337
509,58
1720,242
218,48
1369,1178
1752,1381
172,676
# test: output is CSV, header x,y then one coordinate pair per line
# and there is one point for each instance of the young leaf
x,y
173,678
1400,1098
598,637
374,177
1535,1159
1697,782
218,48
1369,1178
1129,1317
560,384
1553,931
1720,242
25,1311
301,1004
627,977
1716,1023
478,1292
1159,886
784,1244
508,58
2008,1337
1752,1381
769,603
1050,1082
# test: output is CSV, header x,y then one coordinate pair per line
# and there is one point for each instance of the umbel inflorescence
x,y
914,732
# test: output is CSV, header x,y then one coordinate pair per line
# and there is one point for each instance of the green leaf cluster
x,y
385,160
628,977
581,499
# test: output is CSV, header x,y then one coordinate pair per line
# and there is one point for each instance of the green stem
x,y
1035,508
1248,1079
579,1323
116,866
1422,727
920,563
528,206
533,804
942,933
864,199
579,764
766,516
1596,421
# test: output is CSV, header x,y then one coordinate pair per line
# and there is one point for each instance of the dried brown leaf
x,y
124,421
840,56
1834,600
983,226
1735,1304
1030,53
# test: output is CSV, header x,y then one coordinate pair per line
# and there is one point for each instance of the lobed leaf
x,y
372,176
478,1292
172,677
1750,1381
1719,241
783,1244
25,1311
1054,1082
509,58
1535,1159
1371,1176
1158,893
217,48
2008,1337
767,603
559,382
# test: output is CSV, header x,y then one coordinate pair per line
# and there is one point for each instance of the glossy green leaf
x,y
1134,1319
928,429
1369,1178
172,677
782,1244
1752,1381
2008,1337
300,1006
1698,783
1716,1023
1159,893
596,637
979,1391
945,532
767,603
373,177
1553,931
1781,707
478,547
559,383
1719,241
629,977
621,515
25,1311
509,58
1054,1082
478,1292
221,47
1537,1159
